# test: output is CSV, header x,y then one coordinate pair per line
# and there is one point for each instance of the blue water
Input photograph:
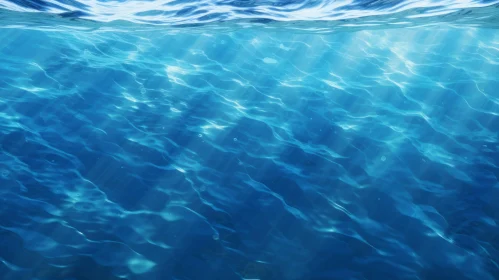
x,y
270,139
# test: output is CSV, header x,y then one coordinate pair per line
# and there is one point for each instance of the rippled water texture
x,y
298,15
247,154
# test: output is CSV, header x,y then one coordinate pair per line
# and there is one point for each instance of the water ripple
x,y
299,15
248,155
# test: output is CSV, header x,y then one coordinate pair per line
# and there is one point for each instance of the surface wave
x,y
309,14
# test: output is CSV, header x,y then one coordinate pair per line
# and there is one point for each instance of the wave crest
x,y
315,13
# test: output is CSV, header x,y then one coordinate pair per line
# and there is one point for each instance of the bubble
x,y
5,173
200,135
223,41
216,236
383,158
235,139
142,90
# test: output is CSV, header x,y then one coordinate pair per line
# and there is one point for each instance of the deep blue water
x,y
262,140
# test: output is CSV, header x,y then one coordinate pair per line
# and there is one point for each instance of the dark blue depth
x,y
249,155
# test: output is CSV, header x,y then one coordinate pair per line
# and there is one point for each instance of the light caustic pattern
x,y
251,154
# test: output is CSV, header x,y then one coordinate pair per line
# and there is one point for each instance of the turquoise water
x,y
249,140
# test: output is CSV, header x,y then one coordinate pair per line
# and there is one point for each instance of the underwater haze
x,y
249,140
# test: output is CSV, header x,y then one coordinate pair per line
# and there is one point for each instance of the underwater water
x,y
222,139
